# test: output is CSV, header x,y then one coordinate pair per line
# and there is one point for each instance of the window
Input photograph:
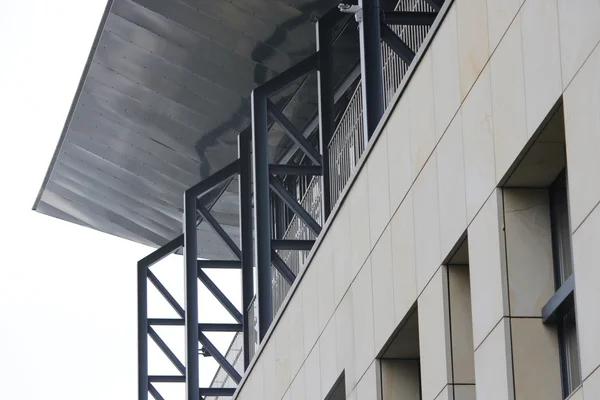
x,y
560,309
561,235
400,362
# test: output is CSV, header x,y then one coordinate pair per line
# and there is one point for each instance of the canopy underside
x,y
163,97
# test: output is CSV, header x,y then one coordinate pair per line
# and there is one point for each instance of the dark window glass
x,y
561,230
569,352
563,269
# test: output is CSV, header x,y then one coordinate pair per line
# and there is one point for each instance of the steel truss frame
x,y
258,181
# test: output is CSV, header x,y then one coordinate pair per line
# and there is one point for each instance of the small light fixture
x,y
351,9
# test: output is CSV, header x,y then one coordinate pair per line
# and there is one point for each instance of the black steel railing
x,y
282,206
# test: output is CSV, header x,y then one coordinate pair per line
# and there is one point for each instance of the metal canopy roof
x,y
161,102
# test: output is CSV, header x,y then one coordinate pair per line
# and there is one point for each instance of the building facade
x,y
460,262
442,240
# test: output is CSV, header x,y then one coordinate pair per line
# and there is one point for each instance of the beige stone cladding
x,y
433,175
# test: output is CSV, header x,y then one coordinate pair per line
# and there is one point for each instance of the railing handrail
x,y
347,145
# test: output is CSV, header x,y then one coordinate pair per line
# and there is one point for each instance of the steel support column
x,y
262,243
192,372
371,65
246,237
326,106
142,293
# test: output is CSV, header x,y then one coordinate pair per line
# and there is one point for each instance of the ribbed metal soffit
x,y
161,102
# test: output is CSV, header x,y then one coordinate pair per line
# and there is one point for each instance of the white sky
x,y
67,294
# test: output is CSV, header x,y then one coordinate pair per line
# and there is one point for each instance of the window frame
x,y
562,302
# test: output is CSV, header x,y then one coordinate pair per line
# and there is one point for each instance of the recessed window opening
x,y
560,309
400,362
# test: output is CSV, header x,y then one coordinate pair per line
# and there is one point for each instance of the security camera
x,y
351,9
348,8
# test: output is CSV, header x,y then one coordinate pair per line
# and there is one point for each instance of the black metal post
x,y
192,372
142,331
326,107
371,66
247,259
262,243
